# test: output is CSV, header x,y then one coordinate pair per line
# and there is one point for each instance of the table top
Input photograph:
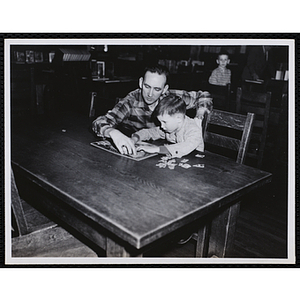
x,y
135,200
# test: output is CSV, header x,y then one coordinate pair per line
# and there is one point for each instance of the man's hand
x,y
124,144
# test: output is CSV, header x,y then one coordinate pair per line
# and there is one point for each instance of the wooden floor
x,y
261,233
261,230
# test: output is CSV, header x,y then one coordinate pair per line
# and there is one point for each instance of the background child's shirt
x,y
220,76
184,141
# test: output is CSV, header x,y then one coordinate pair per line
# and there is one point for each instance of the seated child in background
x,y
221,75
181,131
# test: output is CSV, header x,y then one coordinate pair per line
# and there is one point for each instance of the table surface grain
x,y
135,200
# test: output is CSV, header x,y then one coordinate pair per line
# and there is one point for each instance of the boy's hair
x,y
223,53
170,105
159,69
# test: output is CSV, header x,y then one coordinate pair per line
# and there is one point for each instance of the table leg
x,y
113,249
202,241
222,231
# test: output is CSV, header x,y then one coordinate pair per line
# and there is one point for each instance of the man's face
x,y
153,86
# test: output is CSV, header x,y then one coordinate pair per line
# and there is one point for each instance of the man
x,y
134,112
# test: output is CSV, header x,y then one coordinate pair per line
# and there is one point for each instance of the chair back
x,y
100,105
259,104
17,209
221,96
228,131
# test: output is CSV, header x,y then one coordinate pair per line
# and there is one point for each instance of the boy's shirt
x,y
184,141
220,76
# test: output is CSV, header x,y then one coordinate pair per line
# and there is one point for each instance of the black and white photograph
x,y
213,120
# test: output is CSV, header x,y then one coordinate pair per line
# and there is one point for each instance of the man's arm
x,y
190,98
104,126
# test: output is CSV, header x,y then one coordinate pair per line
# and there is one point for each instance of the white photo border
x,y
291,243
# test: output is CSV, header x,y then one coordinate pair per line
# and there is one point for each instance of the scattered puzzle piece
x,y
165,158
199,166
161,165
186,166
172,161
168,161
184,160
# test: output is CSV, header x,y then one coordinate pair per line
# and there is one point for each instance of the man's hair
x,y
170,105
159,69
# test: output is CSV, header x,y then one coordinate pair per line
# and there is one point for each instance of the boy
x,y
221,75
183,132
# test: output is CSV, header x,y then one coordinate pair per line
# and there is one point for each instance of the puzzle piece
x,y
171,167
184,160
161,165
199,166
165,158
186,166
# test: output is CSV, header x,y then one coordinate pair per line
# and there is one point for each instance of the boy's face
x,y
153,85
223,61
169,123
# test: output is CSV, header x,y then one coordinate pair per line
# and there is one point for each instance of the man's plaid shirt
x,y
133,114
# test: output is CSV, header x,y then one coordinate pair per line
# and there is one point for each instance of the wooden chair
x,y
221,96
228,133
34,235
92,104
280,146
259,104
95,109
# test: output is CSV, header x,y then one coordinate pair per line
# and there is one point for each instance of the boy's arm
x,y
154,149
154,133
213,78
193,140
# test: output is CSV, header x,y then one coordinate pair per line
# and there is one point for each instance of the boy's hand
x,y
134,139
148,148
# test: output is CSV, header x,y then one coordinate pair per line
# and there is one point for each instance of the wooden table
x,y
127,206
